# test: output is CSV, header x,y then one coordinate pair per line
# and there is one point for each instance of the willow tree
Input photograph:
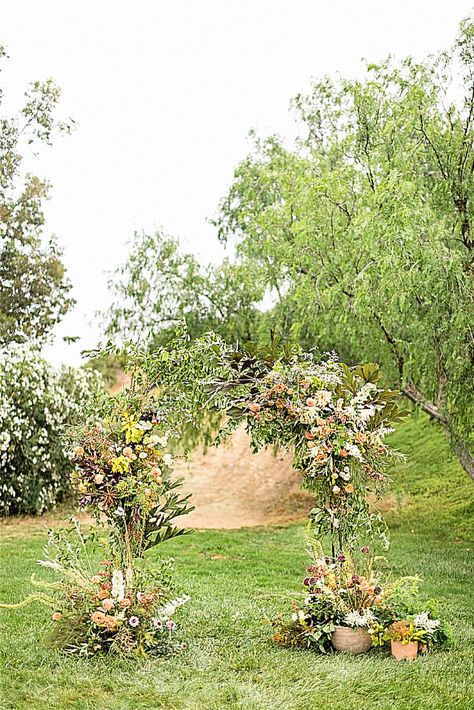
x,y
365,231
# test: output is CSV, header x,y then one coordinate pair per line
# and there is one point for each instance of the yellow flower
x,y
120,464
82,488
131,430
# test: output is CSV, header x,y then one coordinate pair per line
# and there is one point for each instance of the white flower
x,y
423,621
322,397
118,585
353,450
168,460
360,619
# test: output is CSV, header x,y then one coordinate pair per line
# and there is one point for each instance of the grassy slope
x,y
235,577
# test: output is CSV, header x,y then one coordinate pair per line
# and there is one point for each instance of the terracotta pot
x,y
404,650
349,640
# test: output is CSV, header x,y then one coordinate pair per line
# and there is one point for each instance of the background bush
x,y
37,405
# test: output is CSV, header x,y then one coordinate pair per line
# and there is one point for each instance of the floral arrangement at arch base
x,y
112,596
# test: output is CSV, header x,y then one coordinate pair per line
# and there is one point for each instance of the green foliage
x,y
365,227
38,404
109,367
158,287
34,291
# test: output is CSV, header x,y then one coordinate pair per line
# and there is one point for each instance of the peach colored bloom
x,y
349,488
310,402
107,604
98,617
96,579
98,478
343,453
156,474
110,622
127,452
124,602
57,616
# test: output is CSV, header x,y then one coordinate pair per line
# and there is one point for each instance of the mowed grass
x,y
235,578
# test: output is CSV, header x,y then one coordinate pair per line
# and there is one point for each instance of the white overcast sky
x,y
164,94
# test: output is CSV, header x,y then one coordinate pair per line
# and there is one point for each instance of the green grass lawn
x,y
235,578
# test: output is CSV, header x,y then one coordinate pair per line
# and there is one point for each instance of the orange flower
x,y
57,616
110,622
343,453
124,602
103,593
254,407
360,438
310,402
308,435
98,617
349,488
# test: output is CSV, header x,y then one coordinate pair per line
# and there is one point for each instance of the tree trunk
x,y
465,458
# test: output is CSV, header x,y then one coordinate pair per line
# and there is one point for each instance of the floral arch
x,y
333,418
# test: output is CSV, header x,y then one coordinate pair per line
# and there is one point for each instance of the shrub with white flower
x,y
37,404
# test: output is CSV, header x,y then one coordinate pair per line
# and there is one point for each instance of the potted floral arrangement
x,y
409,634
340,606
404,639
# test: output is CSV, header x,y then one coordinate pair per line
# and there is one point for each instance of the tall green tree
x,y
34,290
365,232
160,286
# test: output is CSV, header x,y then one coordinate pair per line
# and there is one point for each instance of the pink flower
x,y
170,625
134,621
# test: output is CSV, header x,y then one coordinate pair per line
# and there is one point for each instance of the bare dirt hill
x,y
234,488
